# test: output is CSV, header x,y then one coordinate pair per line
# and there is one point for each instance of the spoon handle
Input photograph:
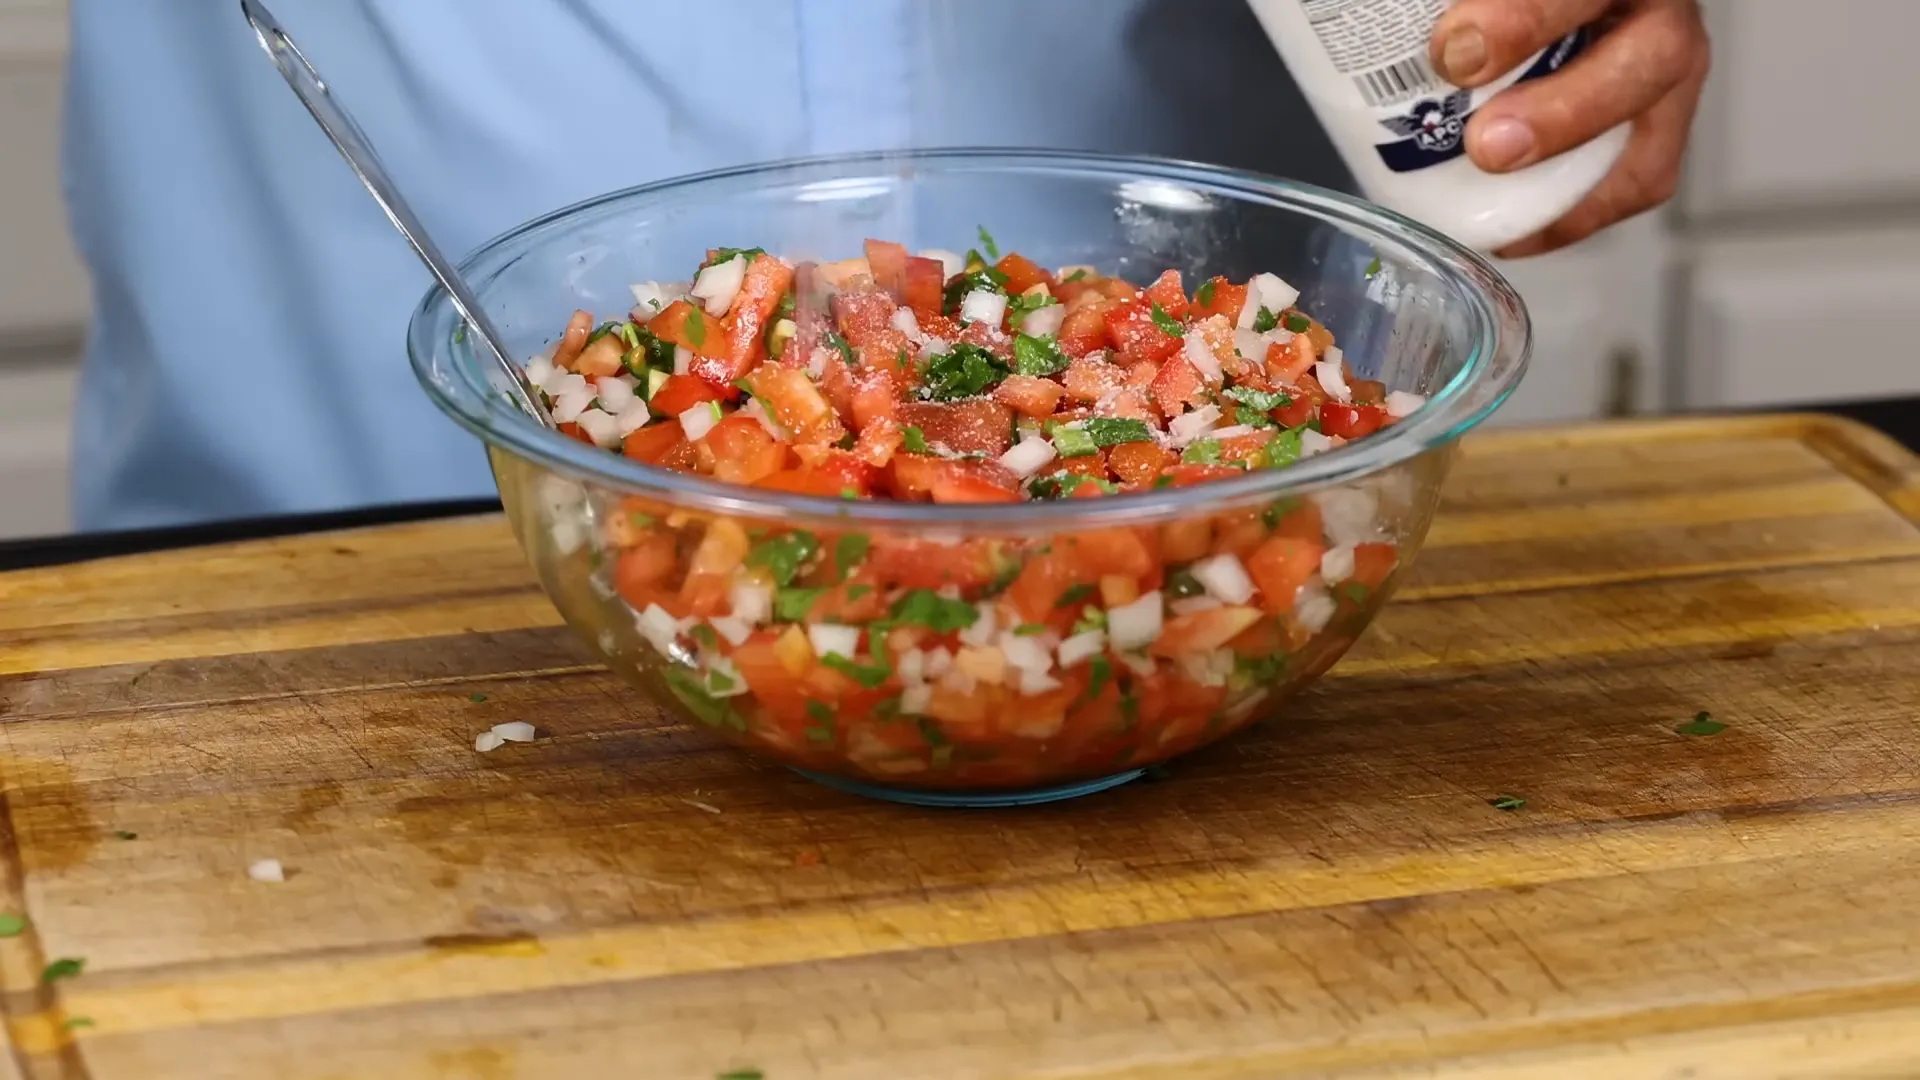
x,y
355,147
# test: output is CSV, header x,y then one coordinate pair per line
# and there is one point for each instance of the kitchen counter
x,y
1334,894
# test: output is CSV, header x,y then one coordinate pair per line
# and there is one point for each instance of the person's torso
x,y
251,301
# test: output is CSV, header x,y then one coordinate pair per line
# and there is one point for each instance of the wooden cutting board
x,y
1332,896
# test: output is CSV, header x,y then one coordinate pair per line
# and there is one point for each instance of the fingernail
x,y
1505,142
1464,54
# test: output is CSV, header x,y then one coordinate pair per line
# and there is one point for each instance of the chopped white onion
x,y
1200,355
1187,605
1036,682
1025,653
1314,609
723,679
1027,457
1080,648
751,599
911,667
515,731
831,639
732,628
981,633
817,361
568,407
1272,293
682,359
615,392
565,382
1135,625
539,370
718,284
567,534
934,346
267,870
1347,514
1187,428
601,427
915,700
632,418
650,298
488,741
1044,322
758,411
1401,404
697,421
1313,442
983,306
1232,432
939,662
904,321
1334,379
1251,345
1336,564
657,626
950,263
1138,663
1224,578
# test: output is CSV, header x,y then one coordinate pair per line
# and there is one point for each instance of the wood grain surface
x,y
1329,896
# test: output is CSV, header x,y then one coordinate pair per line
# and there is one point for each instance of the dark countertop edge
x,y
1897,417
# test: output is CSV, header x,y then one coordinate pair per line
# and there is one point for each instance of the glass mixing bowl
x,y
935,719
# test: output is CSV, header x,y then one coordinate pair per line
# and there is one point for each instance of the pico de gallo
x,y
962,662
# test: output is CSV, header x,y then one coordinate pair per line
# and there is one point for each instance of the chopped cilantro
x,y
1019,307
914,441
924,607
1373,268
1265,320
1063,484
1101,672
784,554
848,551
75,1023
1250,417
724,255
1182,584
867,675
1298,323
696,327
1071,442
1129,711
64,968
1204,452
1264,400
603,330
1091,619
987,245
1076,275
1261,670
740,1074
1276,513
850,494
719,682
1702,723
1162,481
835,341
963,371
855,592
820,730
792,605
476,698
1283,449
1112,431
982,279
887,711
125,835
706,708
1168,325
1204,294
1032,629
12,925
1506,802
788,304
646,351
1038,356
704,634
1075,595
1356,592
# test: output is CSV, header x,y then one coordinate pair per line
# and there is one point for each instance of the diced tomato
x,y
1126,552
1203,631
1280,566
1022,273
1029,395
1239,532
974,426
1189,475
1296,412
683,324
1367,391
1186,540
1287,363
1374,563
1045,578
917,564
1089,379
865,318
739,450
937,325
1084,329
919,476
777,688
745,325
887,261
1178,387
1134,332
645,567
654,442
879,441
1226,299
1094,465
1250,449
680,393
1301,521
1350,421
1167,291
875,397
924,288
1139,462
795,403
574,431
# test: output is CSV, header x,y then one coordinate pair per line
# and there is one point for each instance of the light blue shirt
x,y
247,356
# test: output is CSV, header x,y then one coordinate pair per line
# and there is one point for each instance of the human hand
x,y
1647,67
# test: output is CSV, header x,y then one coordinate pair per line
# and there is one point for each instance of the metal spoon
x,y
353,145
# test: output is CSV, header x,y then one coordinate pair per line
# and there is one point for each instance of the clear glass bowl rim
x,y
1501,345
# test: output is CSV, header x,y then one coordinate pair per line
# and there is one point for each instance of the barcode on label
x,y
1398,82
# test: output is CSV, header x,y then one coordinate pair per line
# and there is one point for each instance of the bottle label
x,y
1381,46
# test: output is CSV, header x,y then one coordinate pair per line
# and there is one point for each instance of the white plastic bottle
x,y
1362,65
